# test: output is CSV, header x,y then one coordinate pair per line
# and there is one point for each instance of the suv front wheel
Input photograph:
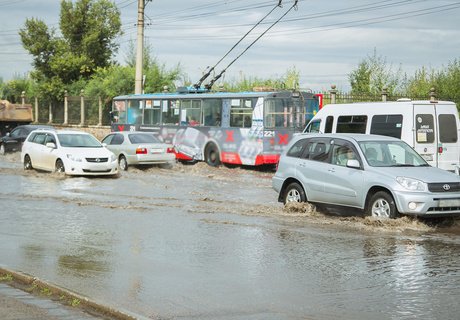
x,y
382,206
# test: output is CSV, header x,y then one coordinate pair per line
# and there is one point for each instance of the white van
x,y
431,128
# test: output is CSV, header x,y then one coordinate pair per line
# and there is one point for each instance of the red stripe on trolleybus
x,y
267,159
231,157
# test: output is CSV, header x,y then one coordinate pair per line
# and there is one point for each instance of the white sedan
x,y
139,148
70,152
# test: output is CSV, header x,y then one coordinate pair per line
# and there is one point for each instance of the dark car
x,y
12,141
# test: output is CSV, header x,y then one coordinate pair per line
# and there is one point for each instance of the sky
x,y
323,40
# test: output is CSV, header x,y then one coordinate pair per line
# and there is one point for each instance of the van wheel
x,y
123,163
27,163
294,193
382,206
60,166
211,155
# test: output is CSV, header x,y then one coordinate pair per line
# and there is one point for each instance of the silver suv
x,y
381,175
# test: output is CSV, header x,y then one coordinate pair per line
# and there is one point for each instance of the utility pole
x,y
140,47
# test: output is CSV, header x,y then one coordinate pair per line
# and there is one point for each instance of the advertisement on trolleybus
x,y
244,128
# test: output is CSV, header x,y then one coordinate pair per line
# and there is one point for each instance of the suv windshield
x,y
78,141
391,154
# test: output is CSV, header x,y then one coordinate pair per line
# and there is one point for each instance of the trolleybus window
x,y
212,112
278,113
241,113
152,112
170,111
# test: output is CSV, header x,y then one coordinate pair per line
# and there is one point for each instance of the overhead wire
x,y
210,84
206,75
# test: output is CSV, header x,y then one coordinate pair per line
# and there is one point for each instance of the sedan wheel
x,y
123,163
382,206
60,166
294,193
27,163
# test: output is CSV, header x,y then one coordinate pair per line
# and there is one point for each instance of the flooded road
x,y
195,242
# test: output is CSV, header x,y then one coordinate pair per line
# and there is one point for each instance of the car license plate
x,y
156,150
449,203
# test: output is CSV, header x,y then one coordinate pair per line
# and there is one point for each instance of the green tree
x,y
89,29
12,90
447,83
373,74
419,85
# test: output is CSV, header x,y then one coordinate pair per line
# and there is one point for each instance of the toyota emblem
x,y
446,187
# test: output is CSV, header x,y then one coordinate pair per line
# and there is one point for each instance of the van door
x,y
448,144
436,135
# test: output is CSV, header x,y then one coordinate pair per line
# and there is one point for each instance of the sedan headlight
x,y
113,157
412,184
74,158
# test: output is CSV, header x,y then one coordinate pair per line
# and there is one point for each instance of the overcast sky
x,y
323,40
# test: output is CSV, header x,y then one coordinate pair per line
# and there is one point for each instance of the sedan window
x,y
117,139
108,139
143,138
40,138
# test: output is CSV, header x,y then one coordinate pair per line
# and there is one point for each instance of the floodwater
x,y
195,242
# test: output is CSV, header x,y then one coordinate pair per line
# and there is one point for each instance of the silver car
x,y
139,148
381,175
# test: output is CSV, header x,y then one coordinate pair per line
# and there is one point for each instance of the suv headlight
x,y
412,184
74,158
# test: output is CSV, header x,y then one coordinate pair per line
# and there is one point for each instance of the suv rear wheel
x,y
294,193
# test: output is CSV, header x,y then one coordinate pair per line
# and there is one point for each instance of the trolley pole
x,y
140,47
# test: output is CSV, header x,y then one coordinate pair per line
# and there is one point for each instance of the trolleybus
x,y
244,128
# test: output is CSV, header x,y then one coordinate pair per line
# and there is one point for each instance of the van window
x,y
424,126
387,125
329,122
351,124
447,128
313,127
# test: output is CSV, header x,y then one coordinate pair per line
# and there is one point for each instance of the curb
x,y
20,279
